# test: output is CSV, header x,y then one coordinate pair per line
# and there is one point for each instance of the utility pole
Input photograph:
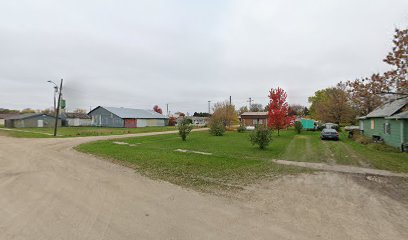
x,y
167,109
58,107
209,107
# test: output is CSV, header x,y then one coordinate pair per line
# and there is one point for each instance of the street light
x,y
55,94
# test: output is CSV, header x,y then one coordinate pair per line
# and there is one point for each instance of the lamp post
x,y
57,106
55,94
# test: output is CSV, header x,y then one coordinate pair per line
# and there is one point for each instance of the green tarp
x,y
307,123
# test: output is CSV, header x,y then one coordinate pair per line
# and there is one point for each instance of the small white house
x,y
78,119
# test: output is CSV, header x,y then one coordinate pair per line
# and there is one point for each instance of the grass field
x,y
78,131
234,161
307,147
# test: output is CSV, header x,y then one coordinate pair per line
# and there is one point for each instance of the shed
x,y
388,123
254,118
126,117
31,120
77,119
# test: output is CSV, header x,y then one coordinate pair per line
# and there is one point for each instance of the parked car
x,y
329,133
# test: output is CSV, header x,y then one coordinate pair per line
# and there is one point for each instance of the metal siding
x,y
107,119
77,122
130,123
33,122
141,123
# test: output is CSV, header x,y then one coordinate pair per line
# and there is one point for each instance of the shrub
x,y
362,139
217,128
241,128
184,128
298,126
261,136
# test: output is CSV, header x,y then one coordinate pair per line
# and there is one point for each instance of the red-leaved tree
x,y
157,109
278,109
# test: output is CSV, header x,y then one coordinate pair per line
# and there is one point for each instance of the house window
x,y
372,123
387,128
260,121
254,122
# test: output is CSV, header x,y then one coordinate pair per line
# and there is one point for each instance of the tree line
x,y
352,98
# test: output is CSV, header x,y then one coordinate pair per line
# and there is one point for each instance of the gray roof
x,y
254,114
27,115
8,115
402,115
388,109
135,113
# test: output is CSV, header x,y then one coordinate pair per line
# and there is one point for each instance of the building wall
x,y
397,127
1,121
48,122
130,123
78,122
103,118
155,122
253,120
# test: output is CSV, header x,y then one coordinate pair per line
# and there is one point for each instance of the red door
x,y
130,123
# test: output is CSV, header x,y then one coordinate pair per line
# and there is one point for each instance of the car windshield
x,y
329,130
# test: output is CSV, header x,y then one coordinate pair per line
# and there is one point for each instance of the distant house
x,y
77,119
388,123
126,117
254,118
199,121
30,120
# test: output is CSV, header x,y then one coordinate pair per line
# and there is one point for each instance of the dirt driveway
x,y
50,191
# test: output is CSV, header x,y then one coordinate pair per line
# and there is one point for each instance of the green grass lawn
x,y
234,161
79,131
307,147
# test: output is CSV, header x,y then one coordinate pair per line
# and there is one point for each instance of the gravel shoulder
x,y
50,191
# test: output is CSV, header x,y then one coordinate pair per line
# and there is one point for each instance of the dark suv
x,y
329,133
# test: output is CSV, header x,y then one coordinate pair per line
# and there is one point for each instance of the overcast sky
x,y
185,53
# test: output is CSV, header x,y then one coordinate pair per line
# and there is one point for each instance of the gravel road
x,y
50,191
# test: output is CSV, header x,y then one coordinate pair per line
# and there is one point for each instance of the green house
x,y
388,123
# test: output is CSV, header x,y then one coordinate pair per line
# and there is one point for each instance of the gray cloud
x,y
142,53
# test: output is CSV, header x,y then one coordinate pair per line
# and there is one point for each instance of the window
x,y
260,121
372,123
254,122
387,128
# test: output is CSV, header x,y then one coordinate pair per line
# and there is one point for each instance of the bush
x,y
298,126
217,128
361,139
184,128
241,128
261,136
